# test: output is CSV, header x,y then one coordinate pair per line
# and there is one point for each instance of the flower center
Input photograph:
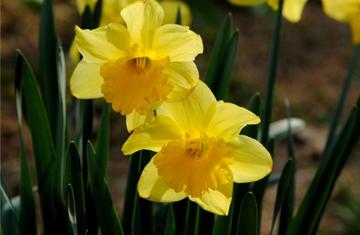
x,y
136,83
195,165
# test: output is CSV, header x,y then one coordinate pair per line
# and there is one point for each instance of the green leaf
x,y
253,106
104,206
340,104
204,221
48,63
190,218
131,191
74,177
270,82
178,16
97,13
71,209
43,145
170,224
180,215
222,83
248,223
27,218
282,190
9,212
218,52
102,141
307,219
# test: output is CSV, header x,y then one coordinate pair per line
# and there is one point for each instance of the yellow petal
x,y
102,44
178,42
251,160
152,187
293,9
135,119
190,113
183,76
152,136
216,201
86,82
171,10
246,2
229,119
74,54
142,18
341,10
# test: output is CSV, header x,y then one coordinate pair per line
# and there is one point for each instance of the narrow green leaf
x,y
170,224
102,141
104,206
273,179
27,218
97,13
288,205
9,213
253,106
190,218
222,83
131,191
43,146
180,215
270,82
204,221
283,188
48,70
178,16
74,177
218,51
249,216
222,225
240,191
340,104
71,208
307,219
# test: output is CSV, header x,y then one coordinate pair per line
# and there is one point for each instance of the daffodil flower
x,y
345,11
200,152
111,10
292,9
136,67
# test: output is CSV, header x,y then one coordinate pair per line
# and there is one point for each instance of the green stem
x,y
270,83
340,104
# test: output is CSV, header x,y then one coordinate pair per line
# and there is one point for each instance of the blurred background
x,y
313,62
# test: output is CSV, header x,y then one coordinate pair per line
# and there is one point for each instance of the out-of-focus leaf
x,y
190,218
204,221
48,63
273,179
178,16
170,224
102,141
218,52
9,213
222,83
340,104
97,13
270,82
307,219
71,208
106,214
248,222
283,187
180,215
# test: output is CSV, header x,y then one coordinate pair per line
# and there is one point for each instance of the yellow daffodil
x,y
136,67
292,9
111,14
199,151
345,11
111,10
